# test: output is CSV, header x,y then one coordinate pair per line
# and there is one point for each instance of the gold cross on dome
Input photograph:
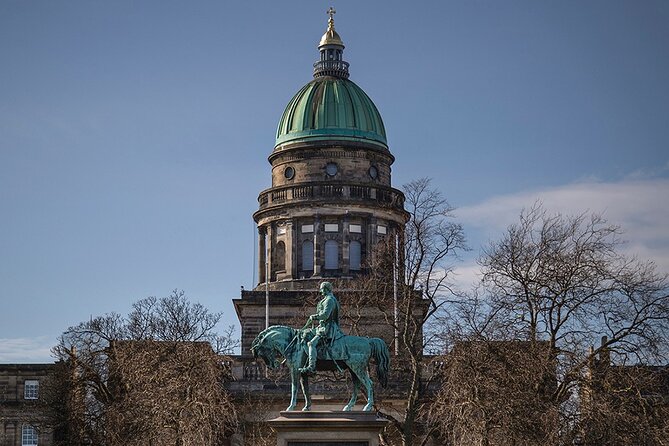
x,y
331,12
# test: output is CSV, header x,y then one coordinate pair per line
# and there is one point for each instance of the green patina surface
x,y
331,108
337,352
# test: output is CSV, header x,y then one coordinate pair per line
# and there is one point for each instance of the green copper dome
x,y
331,108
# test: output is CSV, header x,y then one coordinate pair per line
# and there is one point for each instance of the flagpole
x,y
266,283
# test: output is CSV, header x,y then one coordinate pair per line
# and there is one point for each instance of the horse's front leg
x,y
354,395
293,388
304,383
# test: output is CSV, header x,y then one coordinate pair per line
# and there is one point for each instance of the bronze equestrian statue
x,y
303,357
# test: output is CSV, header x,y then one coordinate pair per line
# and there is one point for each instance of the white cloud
x,y
639,206
26,350
465,275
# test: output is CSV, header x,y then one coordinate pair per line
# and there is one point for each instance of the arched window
x,y
280,257
307,256
28,436
354,255
331,254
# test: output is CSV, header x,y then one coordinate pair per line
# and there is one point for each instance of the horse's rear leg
x,y
364,378
304,383
354,395
370,393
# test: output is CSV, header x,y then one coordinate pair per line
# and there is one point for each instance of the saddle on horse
x,y
328,349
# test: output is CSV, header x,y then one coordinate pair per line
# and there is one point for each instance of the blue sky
x,y
134,135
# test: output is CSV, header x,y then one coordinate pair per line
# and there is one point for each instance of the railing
x,y
384,196
247,369
254,372
360,191
329,190
279,195
331,68
303,192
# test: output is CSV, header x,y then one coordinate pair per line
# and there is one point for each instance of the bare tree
x,y
152,376
561,281
495,393
253,426
423,259
168,392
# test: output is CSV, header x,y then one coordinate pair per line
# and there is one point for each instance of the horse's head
x,y
264,348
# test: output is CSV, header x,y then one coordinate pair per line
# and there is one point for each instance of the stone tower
x,y
331,198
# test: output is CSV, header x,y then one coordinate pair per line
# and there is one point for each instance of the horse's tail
x,y
382,358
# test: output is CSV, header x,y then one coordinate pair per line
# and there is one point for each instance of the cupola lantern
x,y
332,50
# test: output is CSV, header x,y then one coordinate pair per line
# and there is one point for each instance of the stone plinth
x,y
328,428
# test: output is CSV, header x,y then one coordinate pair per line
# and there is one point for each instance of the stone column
x,y
345,239
289,240
371,239
269,240
318,240
291,262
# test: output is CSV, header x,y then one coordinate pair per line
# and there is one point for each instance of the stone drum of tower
x,y
331,199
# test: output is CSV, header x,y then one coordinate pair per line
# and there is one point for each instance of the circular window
x,y
331,169
373,172
289,173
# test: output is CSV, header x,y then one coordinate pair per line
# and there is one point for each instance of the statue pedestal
x,y
353,428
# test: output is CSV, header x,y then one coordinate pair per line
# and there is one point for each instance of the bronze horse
x,y
287,342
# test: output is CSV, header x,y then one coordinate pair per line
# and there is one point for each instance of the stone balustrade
x,y
374,195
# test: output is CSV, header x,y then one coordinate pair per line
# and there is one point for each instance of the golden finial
x,y
331,37
331,12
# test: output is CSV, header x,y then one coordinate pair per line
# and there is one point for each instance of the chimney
x,y
604,353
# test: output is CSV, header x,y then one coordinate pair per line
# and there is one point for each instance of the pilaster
x,y
345,260
261,255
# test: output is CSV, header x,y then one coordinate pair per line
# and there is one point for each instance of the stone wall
x,y
19,409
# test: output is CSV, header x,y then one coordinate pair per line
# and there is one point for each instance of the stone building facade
x,y
22,423
331,199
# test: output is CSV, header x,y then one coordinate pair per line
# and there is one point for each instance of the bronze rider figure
x,y
327,316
